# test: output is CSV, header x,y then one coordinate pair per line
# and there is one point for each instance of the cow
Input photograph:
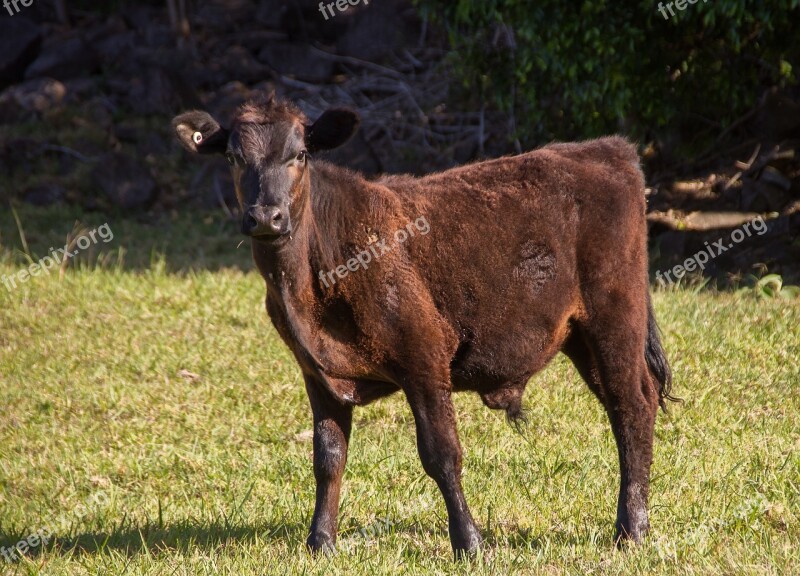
x,y
525,256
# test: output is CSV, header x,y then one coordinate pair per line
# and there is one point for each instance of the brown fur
x,y
526,256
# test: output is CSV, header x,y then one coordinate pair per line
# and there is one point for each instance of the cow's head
x,y
268,149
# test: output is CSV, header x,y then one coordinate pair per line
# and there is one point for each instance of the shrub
x,y
585,68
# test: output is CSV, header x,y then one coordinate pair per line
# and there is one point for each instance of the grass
x,y
148,374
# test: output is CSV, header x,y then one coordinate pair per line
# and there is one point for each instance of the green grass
x,y
149,374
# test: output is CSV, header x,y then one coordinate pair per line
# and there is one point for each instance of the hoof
x,y
321,544
467,544
628,535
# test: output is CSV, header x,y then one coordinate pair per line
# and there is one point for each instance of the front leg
x,y
332,423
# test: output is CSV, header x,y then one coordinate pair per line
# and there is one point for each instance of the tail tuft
x,y
657,358
517,417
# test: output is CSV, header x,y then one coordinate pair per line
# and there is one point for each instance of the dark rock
x,y
20,42
763,196
137,16
298,61
30,98
159,36
114,25
44,195
17,155
153,93
80,89
358,155
238,64
90,148
374,31
774,177
229,97
114,47
111,41
98,112
127,132
125,181
152,145
226,15
270,14
152,81
63,59
302,20
778,116
396,157
252,40
11,112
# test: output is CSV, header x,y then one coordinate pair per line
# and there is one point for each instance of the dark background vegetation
x,y
711,95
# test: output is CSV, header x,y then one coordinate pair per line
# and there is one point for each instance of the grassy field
x,y
153,423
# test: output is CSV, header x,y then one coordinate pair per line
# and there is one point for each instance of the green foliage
x,y
770,286
578,69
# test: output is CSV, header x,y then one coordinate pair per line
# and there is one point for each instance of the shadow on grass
x,y
183,241
186,537
151,537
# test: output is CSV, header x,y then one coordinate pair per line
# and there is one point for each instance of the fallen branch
x,y
68,151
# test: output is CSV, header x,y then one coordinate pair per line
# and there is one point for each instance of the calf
x,y
526,256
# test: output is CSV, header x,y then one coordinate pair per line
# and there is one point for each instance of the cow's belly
x,y
487,365
511,341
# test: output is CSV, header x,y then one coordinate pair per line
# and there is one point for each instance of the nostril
x,y
276,220
264,221
249,222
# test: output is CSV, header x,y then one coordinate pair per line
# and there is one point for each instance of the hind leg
x,y
577,350
440,452
613,365
632,413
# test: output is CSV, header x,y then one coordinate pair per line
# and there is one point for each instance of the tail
x,y
657,359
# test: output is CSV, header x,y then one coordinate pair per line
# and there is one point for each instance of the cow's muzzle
x,y
265,222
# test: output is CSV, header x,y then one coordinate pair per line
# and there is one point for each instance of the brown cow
x,y
526,256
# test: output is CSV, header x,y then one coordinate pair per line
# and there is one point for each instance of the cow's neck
x,y
290,267
285,265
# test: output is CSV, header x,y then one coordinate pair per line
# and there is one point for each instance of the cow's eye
x,y
302,156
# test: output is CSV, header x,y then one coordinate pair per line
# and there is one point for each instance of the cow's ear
x,y
331,130
200,133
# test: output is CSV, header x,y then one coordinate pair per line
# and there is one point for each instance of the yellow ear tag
x,y
197,137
